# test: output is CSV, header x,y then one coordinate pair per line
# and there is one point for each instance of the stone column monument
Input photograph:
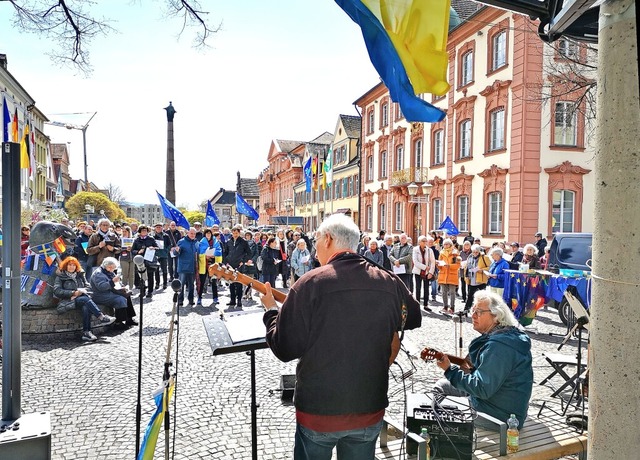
x,y
170,192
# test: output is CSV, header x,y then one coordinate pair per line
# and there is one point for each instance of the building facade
x,y
147,214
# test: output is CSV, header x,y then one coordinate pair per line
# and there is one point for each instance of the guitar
x,y
234,276
429,354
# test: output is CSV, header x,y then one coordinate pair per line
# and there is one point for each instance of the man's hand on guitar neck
x,y
267,299
443,363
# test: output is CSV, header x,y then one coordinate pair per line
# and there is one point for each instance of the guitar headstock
x,y
429,354
225,273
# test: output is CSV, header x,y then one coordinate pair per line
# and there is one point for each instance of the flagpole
x,y
318,190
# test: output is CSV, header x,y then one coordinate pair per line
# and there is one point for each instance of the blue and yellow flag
x,y
407,44
307,174
163,399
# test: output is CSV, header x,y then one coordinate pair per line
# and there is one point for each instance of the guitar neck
x,y
430,353
457,360
235,277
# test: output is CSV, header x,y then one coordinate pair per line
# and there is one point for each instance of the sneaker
x,y
426,308
433,298
88,336
164,286
150,295
445,311
216,301
106,319
199,303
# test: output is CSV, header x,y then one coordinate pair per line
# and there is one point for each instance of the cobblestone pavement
x,y
90,389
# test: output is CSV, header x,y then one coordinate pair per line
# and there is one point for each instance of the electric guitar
x,y
429,354
234,276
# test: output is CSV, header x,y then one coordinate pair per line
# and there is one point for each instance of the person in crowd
x,y
174,236
437,239
187,250
478,242
516,256
474,273
106,292
374,254
386,248
541,243
363,245
431,244
71,288
270,261
469,238
199,231
127,267
381,235
143,243
344,353
250,268
25,232
163,243
396,239
82,245
300,259
292,244
449,262
424,265
401,255
531,257
102,243
117,228
465,252
134,229
499,379
236,256
497,271
284,268
544,260
80,227
206,256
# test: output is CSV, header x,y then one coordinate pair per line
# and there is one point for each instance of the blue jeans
x,y
359,444
434,287
187,280
89,308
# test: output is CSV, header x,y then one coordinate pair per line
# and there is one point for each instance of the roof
x,y
224,197
287,145
248,187
325,138
465,9
352,125
317,149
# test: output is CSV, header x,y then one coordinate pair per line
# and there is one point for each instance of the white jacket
x,y
430,259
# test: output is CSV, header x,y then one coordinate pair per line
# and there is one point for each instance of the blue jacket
x,y
502,380
296,261
187,255
498,268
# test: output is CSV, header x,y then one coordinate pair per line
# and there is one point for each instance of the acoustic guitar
x,y
429,354
233,276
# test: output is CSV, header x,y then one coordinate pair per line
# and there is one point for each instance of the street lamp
x,y
82,128
412,188
59,200
288,205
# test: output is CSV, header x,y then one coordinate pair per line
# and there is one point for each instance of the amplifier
x,y
450,426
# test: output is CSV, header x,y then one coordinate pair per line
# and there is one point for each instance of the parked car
x,y
569,253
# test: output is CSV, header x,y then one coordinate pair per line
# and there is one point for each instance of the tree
x,y
114,193
72,25
98,201
194,216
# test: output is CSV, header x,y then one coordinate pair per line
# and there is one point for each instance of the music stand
x,y
222,344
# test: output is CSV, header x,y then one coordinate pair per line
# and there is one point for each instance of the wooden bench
x,y
547,437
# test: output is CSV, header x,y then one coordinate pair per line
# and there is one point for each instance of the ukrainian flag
x,y
148,447
406,41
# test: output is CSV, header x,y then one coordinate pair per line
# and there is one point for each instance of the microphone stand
x,y
141,270
458,337
166,375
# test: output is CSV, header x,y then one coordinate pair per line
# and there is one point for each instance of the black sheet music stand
x,y
221,344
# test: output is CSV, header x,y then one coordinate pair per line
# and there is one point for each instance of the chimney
x,y
3,61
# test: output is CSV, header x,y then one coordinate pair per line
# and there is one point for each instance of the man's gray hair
x,y
102,221
422,238
476,247
496,250
109,262
342,229
498,307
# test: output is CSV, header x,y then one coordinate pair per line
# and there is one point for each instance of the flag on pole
x,y
328,168
314,172
25,148
162,399
211,217
244,208
59,246
171,212
448,226
407,45
307,174
60,189
15,137
32,156
6,120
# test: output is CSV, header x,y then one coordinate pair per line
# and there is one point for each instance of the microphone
x,y
176,285
139,262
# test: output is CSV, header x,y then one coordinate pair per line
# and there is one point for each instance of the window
x,y
438,147
495,213
562,213
345,157
383,164
382,216
499,50
369,168
496,134
350,187
345,185
463,213
418,153
437,212
369,218
338,185
466,76
384,114
465,139
370,123
399,163
565,127
398,216
567,49
399,114
356,183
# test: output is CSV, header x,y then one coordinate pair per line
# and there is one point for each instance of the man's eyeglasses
x,y
478,312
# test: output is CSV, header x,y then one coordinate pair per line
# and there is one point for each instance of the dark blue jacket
x,y
187,255
498,268
78,251
502,379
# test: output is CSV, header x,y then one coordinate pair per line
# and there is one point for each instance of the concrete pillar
x,y
170,192
614,393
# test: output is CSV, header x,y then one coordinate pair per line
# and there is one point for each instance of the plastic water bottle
x,y
513,435
424,434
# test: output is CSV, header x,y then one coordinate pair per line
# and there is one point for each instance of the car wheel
x,y
565,313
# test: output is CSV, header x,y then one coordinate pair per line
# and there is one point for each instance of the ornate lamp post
x,y
412,188
288,206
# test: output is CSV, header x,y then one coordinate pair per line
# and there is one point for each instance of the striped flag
x,y
38,287
25,148
162,399
24,279
59,246
6,120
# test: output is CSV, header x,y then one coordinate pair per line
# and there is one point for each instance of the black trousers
x,y
235,290
472,290
164,267
419,282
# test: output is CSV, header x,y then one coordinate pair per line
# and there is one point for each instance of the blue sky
x,y
277,69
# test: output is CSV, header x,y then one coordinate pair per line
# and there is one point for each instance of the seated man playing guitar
x,y
497,374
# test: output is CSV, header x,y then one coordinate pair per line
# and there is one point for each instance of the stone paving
x,y
90,389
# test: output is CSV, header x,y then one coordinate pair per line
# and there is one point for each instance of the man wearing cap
x,y
199,232
516,256
163,242
541,243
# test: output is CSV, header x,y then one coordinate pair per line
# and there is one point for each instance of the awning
x,y
346,211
